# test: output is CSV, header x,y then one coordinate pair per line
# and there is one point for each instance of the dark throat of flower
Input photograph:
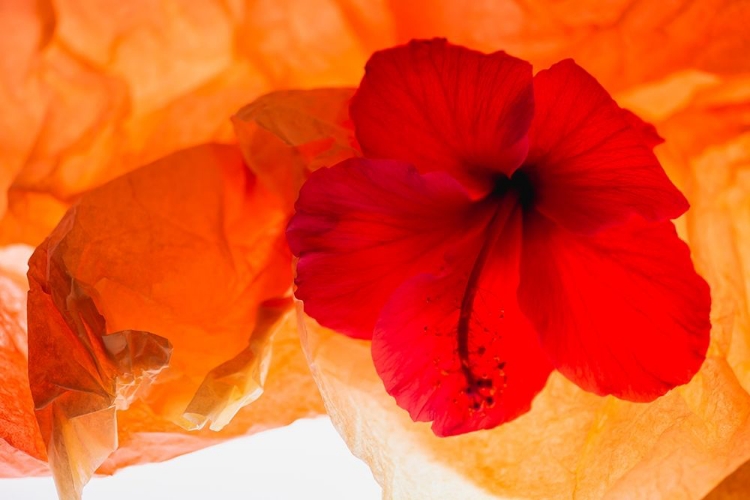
x,y
510,195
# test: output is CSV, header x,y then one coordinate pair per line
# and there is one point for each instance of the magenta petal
x,y
363,227
444,107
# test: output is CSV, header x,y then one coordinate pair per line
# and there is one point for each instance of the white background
x,y
307,460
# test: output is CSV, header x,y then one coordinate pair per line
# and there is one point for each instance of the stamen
x,y
508,203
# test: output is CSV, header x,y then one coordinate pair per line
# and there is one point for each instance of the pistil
x,y
508,200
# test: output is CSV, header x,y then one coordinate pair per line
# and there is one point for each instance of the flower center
x,y
519,183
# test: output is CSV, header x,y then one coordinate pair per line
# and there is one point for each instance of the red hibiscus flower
x,y
500,225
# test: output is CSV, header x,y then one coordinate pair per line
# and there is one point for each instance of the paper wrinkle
x,y
139,358
95,90
213,284
77,418
90,93
22,451
286,135
238,382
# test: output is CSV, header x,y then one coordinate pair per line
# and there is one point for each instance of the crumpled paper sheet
x,y
734,487
22,451
161,289
286,135
90,90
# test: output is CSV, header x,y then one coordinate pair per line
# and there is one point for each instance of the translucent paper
x,y
160,274
286,135
22,451
90,90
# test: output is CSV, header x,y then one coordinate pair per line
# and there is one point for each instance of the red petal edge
x,y
589,160
363,227
647,131
622,312
444,107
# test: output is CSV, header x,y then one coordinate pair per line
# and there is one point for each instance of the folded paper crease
x,y
91,90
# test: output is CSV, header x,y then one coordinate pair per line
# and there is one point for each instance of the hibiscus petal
x,y
647,131
622,312
443,107
464,364
589,165
363,227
